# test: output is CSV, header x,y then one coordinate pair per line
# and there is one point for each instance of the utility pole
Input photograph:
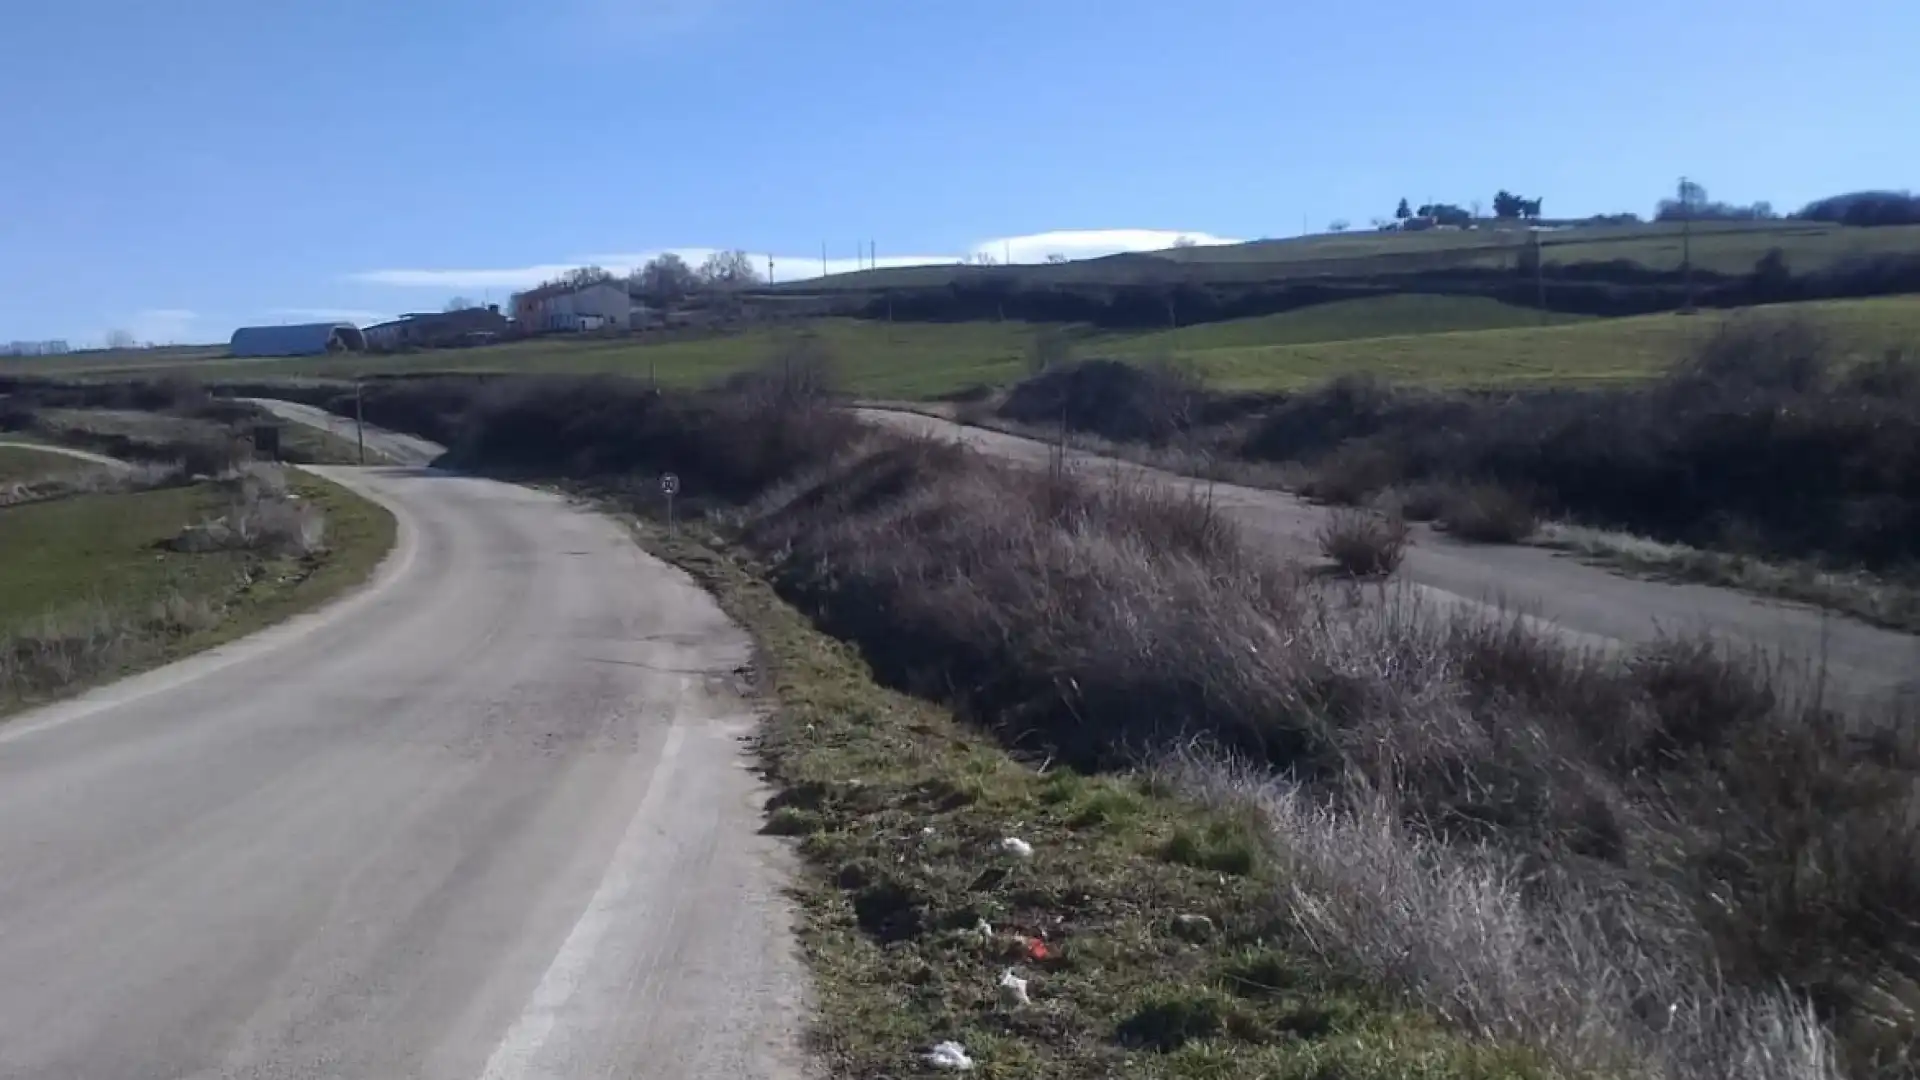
x,y
823,258
1686,240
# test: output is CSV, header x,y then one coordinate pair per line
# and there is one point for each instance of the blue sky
x,y
176,169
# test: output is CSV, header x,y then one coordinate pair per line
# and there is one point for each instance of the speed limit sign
x,y
670,483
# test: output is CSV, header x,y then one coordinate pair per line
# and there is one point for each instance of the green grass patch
x,y
1347,320
91,576
1154,966
1435,341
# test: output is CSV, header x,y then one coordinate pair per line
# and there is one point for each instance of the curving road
x,y
392,445
489,817
67,451
1591,605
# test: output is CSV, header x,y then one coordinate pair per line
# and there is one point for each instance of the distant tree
x,y
586,275
1690,203
1056,259
1506,205
1865,209
665,280
120,339
1772,276
1403,211
1446,214
1530,209
1185,242
728,270
1381,224
1339,225
979,258
460,303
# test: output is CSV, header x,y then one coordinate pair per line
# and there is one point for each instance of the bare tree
x,y
1056,259
729,270
586,275
460,303
1186,242
1339,225
979,258
665,280
120,339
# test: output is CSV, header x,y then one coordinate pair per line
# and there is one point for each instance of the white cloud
x,y
1033,248
358,316
162,326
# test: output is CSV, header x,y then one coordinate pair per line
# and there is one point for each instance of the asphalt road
x,y
392,445
1591,605
66,451
488,817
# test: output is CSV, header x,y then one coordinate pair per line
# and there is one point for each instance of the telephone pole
x,y
1686,240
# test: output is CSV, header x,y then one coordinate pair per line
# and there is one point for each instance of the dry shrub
x,y
56,651
1544,845
262,515
1364,544
1487,514
1353,474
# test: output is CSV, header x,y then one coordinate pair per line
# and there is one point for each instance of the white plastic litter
x,y
927,830
1013,989
1016,847
949,1055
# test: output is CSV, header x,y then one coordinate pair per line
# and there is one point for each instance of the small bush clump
x,y
1362,543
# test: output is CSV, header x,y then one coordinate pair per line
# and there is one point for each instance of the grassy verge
x,y
19,465
1162,958
91,588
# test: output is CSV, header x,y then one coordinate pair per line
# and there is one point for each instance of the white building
x,y
573,308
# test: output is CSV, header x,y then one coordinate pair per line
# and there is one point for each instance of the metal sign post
x,y
669,486
359,422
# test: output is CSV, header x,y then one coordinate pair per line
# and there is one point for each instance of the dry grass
x,y
1487,514
261,515
1662,865
1365,544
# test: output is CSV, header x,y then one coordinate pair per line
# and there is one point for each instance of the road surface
x,y
1594,606
67,451
488,817
392,445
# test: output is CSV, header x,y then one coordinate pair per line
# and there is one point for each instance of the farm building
x,y
439,328
303,339
564,307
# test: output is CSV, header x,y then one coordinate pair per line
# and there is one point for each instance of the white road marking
x,y
516,1056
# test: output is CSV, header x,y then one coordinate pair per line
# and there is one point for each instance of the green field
x,y
1459,341
1728,247
91,575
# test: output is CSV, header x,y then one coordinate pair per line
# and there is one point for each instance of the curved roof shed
x,y
303,339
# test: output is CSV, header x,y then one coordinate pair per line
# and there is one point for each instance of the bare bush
x,y
52,653
262,516
1364,544
1487,514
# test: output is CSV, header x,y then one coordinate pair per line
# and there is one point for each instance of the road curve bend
x,y
488,817
87,456
1591,605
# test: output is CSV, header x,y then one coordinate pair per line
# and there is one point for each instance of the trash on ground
x,y
1013,989
1193,927
1016,847
949,1055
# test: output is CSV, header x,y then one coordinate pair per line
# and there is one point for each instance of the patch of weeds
x,y
909,911
1223,846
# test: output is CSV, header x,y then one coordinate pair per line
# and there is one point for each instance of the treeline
x,y
1607,289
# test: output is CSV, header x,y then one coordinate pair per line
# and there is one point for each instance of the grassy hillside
x,y
1725,247
1436,340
